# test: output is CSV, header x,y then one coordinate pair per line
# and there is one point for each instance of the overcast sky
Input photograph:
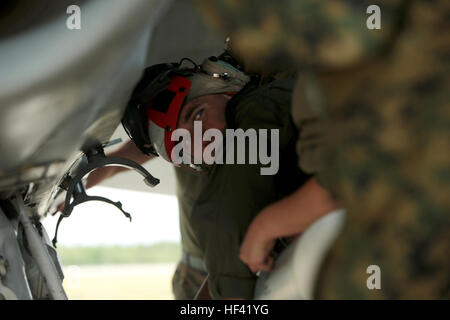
x,y
154,219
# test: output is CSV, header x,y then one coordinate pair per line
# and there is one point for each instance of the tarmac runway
x,y
119,282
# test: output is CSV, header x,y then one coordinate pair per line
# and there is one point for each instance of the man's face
x,y
209,109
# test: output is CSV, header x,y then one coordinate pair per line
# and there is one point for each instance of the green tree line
x,y
163,252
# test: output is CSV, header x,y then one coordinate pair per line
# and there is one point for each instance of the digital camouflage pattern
x,y
267,34
374,116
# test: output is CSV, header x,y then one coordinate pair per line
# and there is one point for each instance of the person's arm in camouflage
x,y
287,217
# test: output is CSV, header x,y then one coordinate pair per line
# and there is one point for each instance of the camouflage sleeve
x,y
327,34
310,120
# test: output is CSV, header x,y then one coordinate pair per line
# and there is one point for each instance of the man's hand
x,y
285,218
257,246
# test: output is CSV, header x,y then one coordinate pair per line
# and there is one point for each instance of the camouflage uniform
x,y
374,110
187,281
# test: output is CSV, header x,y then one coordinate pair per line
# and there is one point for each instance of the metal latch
x,y
92,160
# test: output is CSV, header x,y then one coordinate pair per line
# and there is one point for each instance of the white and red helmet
x,y
152,113
162,115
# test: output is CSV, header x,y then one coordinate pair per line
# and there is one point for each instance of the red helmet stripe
x,y
168,121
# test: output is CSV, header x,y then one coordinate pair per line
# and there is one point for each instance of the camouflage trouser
x,y
187,281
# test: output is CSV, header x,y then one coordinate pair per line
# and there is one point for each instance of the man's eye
x,y
198,115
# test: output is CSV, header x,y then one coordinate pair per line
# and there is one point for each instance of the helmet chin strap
x,y
202,167
196,167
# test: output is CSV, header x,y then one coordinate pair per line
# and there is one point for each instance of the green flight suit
x,y
234,194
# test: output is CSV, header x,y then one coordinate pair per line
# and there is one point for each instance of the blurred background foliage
x,y
163,252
